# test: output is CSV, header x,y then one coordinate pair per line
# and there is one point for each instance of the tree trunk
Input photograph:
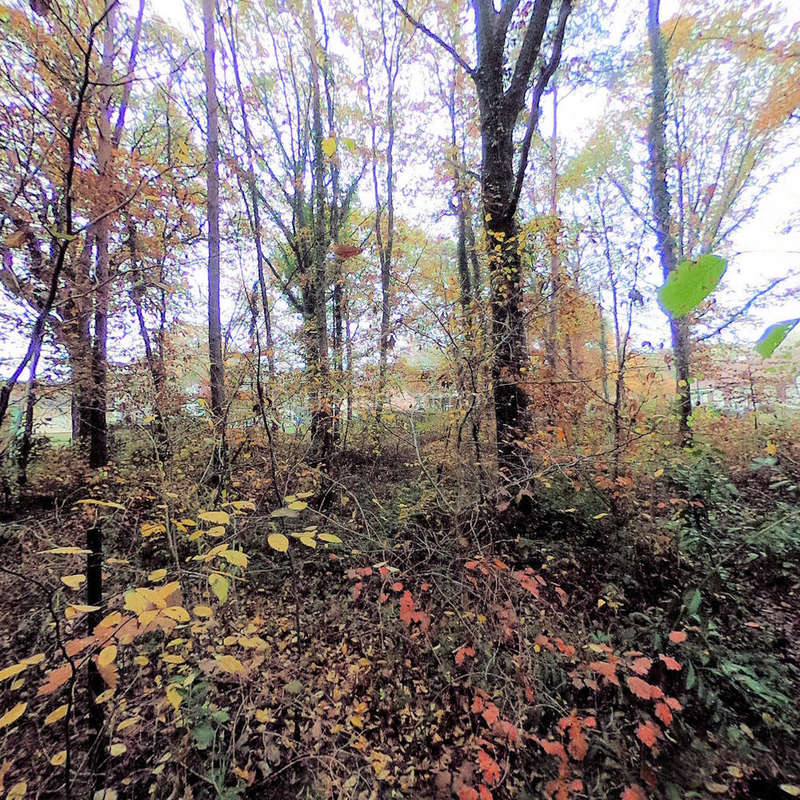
x,y
555,256
660,197
216,365
321,416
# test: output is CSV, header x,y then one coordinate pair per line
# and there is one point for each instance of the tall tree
x,y
503,85
217,368
662,216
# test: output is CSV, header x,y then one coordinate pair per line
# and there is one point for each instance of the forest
x,y
399,399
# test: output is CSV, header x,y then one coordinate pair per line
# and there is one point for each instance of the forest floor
x,y
545,646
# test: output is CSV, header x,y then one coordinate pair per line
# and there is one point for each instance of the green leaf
x,y
690,283
773,336
203,736
693,602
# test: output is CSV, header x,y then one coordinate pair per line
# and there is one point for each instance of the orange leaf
x,y
676,637
608,669
491,713
477,705
641,666
673,704
462,653
489,767
467,793
55,679
648,733
407,608
663,713
644,690
670,662
397,586
484,793
634,792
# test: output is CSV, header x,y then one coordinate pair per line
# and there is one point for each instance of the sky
x,y
762,249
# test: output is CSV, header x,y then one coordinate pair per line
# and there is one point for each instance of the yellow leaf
x,y
243,505
107,655
141,661
197,534
56,715
104,697
230,664
217,531
146,617
10,717
110,620
59,758
152,528
73,581
174,696
658,473
263,715
329,537
298,505
308,540
68,551
17,684
178,613
117,749
219,585
214,552
17,791
33,660
235,557
215,517
14,669
173,658
135,601
202,611
277,541
329,146
101,504
157,575
128,723
74,610
790,789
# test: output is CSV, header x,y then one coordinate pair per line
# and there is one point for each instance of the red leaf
x,y
462,653
553,748
642,666
608,669
578,746
425,587
676,637
562,596
345,251
407,608
55,679
471,564
467,793
670,662
648,733
504,728
644,690
489,767
567,649
383,572
397,586
673,704
663,713
484,792
357,591
634,792
477,705
491,713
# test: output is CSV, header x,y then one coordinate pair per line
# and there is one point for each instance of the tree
x,y
502,88
662,215
217,367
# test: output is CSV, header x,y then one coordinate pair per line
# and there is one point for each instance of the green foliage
x,y
690,283
773,336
